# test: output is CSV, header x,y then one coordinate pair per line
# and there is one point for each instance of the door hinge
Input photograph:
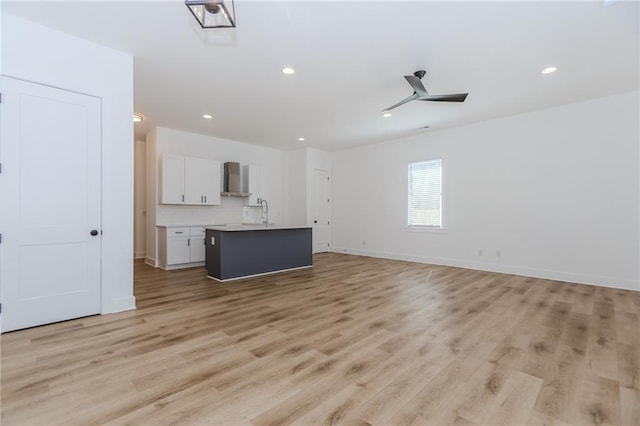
x,y
0,98
0,238
0,308
0,167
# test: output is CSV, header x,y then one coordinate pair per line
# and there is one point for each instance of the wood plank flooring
x,y
353,341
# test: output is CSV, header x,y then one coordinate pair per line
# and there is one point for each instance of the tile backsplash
x,y
230,210
251,214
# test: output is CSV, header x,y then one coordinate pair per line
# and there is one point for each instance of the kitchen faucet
x,y
265,210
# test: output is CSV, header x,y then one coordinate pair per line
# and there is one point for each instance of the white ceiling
x,y
350,59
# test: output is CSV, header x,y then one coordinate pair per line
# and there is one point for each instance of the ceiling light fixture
x,y
300,139
549,70
207,116
288,70
213,13
137,118
386,115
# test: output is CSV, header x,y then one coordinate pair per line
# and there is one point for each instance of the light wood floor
x,y
355,340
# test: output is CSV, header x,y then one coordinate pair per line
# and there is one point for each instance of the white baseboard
x,y
119,305
572,277
139,254
150,261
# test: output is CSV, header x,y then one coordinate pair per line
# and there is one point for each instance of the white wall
x,y
42,55
295,185
139,206
164,140
555,192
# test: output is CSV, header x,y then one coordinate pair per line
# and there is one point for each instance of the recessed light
x,y
207,116
386,115
549,70
288,70
137,118
300,139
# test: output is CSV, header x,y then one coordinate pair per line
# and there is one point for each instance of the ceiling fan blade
x,y
402,102
416,85
458,97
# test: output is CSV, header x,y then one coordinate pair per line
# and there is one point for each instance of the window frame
x,y
418,227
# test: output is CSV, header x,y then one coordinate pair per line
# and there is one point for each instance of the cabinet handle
x,y
179,232
188,242
183,198
205,198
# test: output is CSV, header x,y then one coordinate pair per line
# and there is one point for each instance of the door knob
x,y
315,221
94,232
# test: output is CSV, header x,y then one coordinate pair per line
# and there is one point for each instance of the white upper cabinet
x,y
255,182
171,179
187,180
201,181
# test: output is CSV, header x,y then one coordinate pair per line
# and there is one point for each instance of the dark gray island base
x,y
242,251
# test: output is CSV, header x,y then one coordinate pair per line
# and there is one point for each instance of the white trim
x,y
119,305
422,228
572,277
259,275
139,254
182,266
150,261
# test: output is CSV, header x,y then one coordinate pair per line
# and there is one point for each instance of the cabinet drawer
x,y
177,232
197,231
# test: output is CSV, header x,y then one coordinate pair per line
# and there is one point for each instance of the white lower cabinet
x,y
197,243
181,247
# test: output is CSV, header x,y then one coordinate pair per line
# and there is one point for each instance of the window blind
x,y
425,194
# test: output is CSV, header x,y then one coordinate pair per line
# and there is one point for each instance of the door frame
x,y
312,199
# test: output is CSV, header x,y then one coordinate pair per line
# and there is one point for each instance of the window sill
x,y
423,229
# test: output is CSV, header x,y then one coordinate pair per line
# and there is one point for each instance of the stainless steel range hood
x,y
232,185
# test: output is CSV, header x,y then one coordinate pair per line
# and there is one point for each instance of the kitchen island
x,y
240,251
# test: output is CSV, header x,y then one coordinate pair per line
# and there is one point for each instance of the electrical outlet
x,y
498,253
364,242
480,253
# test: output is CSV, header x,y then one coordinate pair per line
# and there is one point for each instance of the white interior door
x,y
321,213
50,192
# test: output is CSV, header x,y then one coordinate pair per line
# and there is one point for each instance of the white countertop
x,y
182,225
254,227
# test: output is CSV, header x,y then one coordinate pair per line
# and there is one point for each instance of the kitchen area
x,y
225,205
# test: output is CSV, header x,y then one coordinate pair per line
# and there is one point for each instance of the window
x,y
425,194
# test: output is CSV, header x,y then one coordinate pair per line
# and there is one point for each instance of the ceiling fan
x,y
421,94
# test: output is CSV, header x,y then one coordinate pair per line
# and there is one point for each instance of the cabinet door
x,y
263,184
202,181
193,181
211,182
172,179
197,245
197,248
256,184
178,251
